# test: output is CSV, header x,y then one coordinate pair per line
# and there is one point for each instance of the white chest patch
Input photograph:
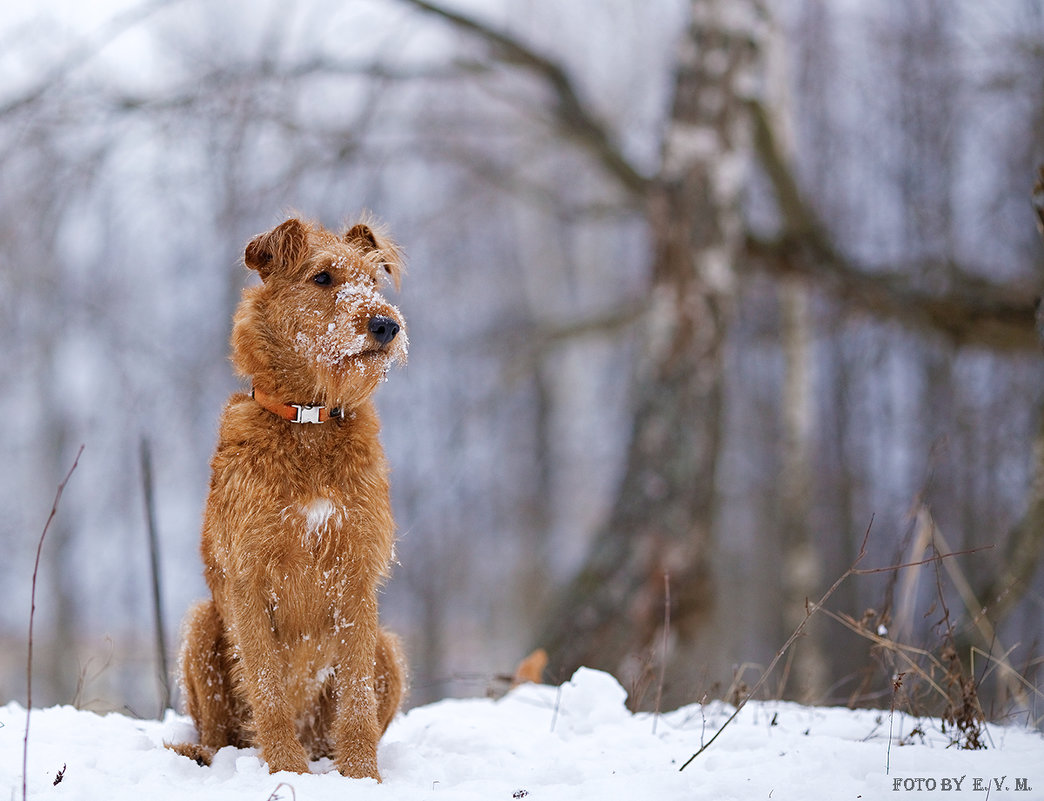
x,y
319,515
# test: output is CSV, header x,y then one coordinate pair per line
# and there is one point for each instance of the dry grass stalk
x,y
32,615
854,570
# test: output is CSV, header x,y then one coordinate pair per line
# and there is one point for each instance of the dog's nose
x,y
383,329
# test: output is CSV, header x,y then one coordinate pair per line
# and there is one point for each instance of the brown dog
x,y
298,534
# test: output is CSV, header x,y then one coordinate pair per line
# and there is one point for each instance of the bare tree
x,y
716,252
663,515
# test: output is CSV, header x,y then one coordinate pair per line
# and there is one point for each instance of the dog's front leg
x,y
262,679
356,726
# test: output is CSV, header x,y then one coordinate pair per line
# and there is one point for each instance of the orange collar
x,y
296,412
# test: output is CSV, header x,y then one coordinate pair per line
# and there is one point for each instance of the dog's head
x,y
317,329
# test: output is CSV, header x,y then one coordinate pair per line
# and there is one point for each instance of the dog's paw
x,y
360,772
359,766
201,755
289,757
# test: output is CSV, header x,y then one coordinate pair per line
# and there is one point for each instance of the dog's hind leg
x,y
205,666
389,677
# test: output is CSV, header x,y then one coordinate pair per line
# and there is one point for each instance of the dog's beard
x,y
350,380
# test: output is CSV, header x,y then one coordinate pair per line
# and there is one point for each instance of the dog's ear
x,y
283,246
364,236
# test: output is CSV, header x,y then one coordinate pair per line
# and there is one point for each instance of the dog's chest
x,y
318,518
303,512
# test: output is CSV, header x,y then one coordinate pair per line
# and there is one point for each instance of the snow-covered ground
x,y
576,742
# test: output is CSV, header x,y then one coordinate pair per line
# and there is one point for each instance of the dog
x,y
287,654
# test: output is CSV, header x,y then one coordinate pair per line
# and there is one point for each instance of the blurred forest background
x,y
697,290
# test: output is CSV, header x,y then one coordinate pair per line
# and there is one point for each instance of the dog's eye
x,y
322,279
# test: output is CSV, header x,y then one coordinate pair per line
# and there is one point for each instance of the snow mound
x,y
575,742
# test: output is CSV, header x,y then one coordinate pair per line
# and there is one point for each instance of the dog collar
x,y
295,412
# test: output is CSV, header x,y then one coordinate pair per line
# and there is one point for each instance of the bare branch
x,y
571,114
535,339
854,570
973,311
83,52
786,646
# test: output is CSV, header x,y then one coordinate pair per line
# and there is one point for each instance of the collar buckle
x,y
307,413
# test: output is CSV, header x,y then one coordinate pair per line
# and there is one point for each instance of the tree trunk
x,y
802,568
1024,545
662,519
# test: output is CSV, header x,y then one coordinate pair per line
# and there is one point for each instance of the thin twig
x,y
558,701
869,571
854,570
977,614
904,652
275,793
790,641
32,615
897,683
666,633
1003,663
